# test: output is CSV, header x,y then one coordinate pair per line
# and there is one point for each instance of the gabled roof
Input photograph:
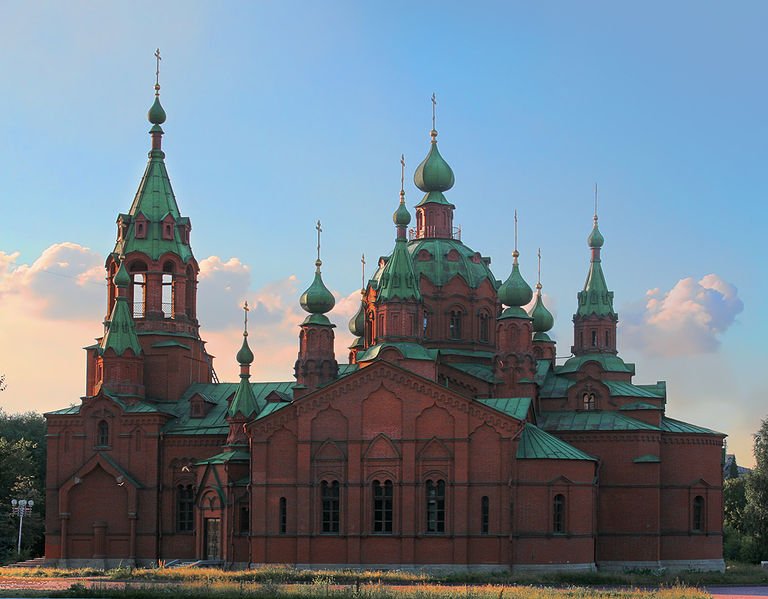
x,y
483,372
214,422
517,407
670,425
608,362
535,444
411,351
622,389
225,457
591,420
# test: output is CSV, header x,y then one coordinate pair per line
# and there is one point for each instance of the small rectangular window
x,y
329,493
283,516
484,514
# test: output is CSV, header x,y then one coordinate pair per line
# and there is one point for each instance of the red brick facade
x,y
452,439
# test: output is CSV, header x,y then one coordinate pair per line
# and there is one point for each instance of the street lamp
x,y
21,508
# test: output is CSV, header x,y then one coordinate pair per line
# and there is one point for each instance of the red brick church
x,y
450,438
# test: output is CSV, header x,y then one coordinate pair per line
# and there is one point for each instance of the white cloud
x,y
66,282
688,319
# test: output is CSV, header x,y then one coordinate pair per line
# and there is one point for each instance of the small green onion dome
x,y
156,114
245,355
543,320
317,299
595,239
122,278
401,217
433,174
357,323
515,292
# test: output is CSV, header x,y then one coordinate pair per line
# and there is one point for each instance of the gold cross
x,y
434,103
157,70
402,173
362,261
246,309
319,230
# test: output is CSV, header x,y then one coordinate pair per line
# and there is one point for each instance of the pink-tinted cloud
x,y
688,319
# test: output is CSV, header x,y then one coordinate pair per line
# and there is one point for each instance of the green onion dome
x,y
245,355
317,299
543,320
433,174
401,217
515,292
122,278
156,114
595,239
357,322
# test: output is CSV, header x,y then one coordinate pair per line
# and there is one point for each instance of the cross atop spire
x,y
246,309
595,217
538,283
362,262
515,253
402,177
319,228
433,133
157,72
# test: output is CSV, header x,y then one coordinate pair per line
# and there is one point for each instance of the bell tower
x,y
160,282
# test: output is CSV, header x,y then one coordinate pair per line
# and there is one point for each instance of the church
x,y
448,438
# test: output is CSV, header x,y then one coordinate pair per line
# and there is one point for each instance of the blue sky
x,y
281,113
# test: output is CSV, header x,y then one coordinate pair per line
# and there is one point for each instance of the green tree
x,y
735,502
756,494
22,476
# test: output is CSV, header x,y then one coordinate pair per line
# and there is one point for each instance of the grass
x,y
326,587
289,582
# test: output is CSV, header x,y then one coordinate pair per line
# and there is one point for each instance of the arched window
x,y
139,289
558,514
484,327
435,506
102,434
484,514
698,514
454,324
244,517
383,498
189,289
168,291
607,339
594,338
283,516
581,338
329,498
424,323
185,508
589,400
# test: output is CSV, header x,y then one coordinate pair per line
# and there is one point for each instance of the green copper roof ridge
x,y
537,444
398,279
244,400
121,332
154,199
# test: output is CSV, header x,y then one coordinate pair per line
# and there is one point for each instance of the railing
x,y
431,231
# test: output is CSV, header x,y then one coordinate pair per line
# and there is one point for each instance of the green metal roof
x,y
515,291
608,362
155,200
591,420
411,351
434,197
670,425
480,371
317,299
105,456
270,408
639,405
535,444
433,174
121,330
517,407
648,458
622,389
595,298
244,401
398,280
542,371
553,385
439,270
346,369
227,456
215,423
170,344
